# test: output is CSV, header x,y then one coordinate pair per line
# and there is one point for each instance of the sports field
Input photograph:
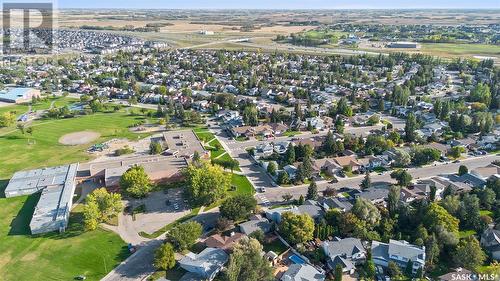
x,y
18,151
53,256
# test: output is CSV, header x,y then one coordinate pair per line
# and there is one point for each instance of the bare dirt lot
x,y
78,138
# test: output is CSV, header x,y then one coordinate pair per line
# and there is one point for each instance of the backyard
x,y
53,256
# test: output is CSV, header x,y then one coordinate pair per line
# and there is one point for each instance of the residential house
x,y
490,240
399,252
347,252
348,161
255,223
459,274
206,264
263,150
341,204
375,195
312,208
223,242
291,171
302,272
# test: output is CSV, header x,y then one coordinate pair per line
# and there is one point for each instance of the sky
x,y
280,4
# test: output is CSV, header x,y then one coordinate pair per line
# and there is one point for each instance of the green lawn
x,y
17,154
204,134
53,256
243,186
275,246
460,49
466,233
291,133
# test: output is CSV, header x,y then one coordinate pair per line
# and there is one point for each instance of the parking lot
x,y
161,208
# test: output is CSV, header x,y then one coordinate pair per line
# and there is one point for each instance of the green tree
x,y
100,206
271,168
338,272
164,258
247,263
136,182
422,156
456,151
312,191
468,253
185,234
290,155
410,128
394,271
296,228
366,212
393,200
283,178
155,148
7,119
436,216
402,158
206,183
402,177
366,183
409,269
250,116
462,170
238,207
481,93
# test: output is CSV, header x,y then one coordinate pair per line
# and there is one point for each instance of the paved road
x,y
274,195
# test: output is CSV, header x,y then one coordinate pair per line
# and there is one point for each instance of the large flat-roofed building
x,y
183,143
159,168
19,95
57,185
403,45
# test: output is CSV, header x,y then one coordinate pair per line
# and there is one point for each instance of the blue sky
x,y
279,4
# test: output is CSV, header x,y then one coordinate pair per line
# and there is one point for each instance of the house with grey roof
x,y
57,186
342,204
206,264
374,195
255,224
302,272
399,252
490,240
347,252
311,208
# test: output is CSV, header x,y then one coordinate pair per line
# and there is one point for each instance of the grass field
x,y
448,49
53,256
243,186
16,153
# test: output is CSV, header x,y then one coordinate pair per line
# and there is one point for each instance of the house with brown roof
x,y
223,242
348,161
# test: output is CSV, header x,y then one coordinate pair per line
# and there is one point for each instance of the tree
x,y
290,155
369,269
136,182
469,213
271,168
100,206
206,183
312,191
238,207
7,119
155,148
185,234
436,216
468,253
247,263
283,178
258,234
487,198
250,116
329,192
20,127
296,228
410,128
196,157
422,156
456,151
222,224
402,158
462,170
366,212
164,258
393,200
393,270
481,93
402,177
409,269
366,183
338,272
287,197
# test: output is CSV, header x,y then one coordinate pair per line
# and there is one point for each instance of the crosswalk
x,y
263,199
